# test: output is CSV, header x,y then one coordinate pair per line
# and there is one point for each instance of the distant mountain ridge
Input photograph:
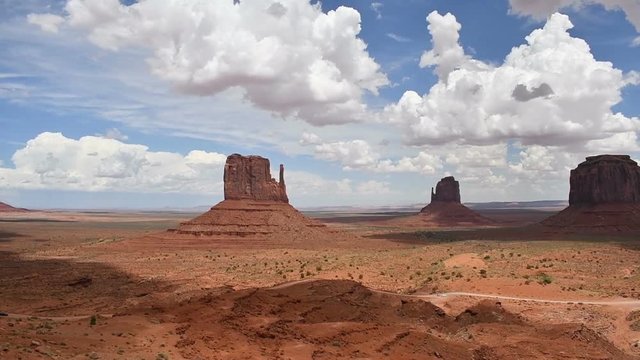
x,y
539,204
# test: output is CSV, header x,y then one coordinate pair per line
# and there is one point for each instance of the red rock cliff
x,y
447,190
605,179
249,177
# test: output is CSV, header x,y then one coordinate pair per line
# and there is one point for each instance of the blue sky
x,y
135,105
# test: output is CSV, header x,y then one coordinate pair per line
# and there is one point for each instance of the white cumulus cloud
x,y
47,22
310,139
353,154
114,133
543,8
287,56
360,155
53,161
549,91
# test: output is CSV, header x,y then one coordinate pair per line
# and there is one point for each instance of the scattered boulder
x,y
604,196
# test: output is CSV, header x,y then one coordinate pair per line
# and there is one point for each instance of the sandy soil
x,y
114,286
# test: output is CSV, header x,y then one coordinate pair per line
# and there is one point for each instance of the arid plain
x,y
254,278
102,286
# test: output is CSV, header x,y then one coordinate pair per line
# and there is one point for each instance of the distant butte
x,y
255,205
6,208
445,209
604,195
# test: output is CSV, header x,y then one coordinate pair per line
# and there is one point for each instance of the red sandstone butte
x,y
249,178
604,195
445,209
447,190
605,179
255,205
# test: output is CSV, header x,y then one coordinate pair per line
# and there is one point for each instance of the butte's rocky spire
x,y
447,190
604,195
249,178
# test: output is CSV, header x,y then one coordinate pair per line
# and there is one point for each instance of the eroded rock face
x,y
447,190
605,179
249,178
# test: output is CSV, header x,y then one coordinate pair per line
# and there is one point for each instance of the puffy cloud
x,y
377,8
310,139
618,143
549,91
469,156
636,42
287,56
424,163
542,163
446,54
481,177
359,155
46,22
115,134
542,9
352,154
53,161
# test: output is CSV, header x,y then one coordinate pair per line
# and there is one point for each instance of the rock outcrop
x,y
255,205
604,196
447,190
445,210
249,178
605,179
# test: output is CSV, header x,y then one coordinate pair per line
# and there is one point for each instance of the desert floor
x,y
107,286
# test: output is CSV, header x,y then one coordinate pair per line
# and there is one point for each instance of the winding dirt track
x,y
630,303
546,301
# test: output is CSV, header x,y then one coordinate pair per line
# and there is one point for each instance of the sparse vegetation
x,y
544,279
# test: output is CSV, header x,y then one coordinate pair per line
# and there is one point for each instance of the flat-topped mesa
x,y
447,190
249,178
605,179
604,197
